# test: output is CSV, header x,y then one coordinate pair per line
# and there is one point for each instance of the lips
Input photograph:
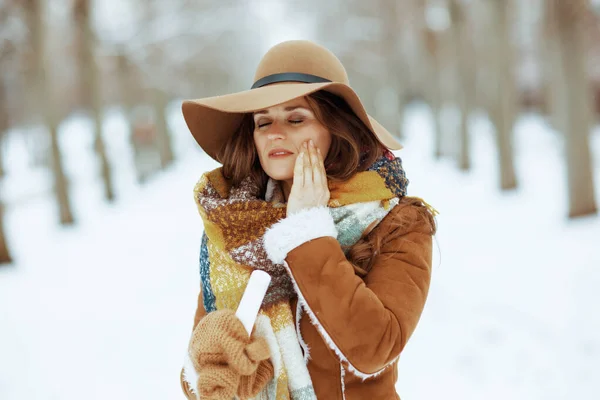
x,y
279,152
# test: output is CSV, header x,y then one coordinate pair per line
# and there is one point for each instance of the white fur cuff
x,y
296,229
190,376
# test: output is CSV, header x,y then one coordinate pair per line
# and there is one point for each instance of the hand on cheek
x,y
310,180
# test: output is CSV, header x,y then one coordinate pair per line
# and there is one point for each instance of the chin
x,y
280,174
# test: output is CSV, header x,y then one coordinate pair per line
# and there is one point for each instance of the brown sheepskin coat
x,y
358,320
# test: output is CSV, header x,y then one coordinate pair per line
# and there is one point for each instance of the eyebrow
x,y
290,108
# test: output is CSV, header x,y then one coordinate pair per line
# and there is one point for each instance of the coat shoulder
x,y
412,214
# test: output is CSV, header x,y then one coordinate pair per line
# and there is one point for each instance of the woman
x,y
310,193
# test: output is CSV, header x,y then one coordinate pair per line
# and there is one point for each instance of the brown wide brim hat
x,y
288,71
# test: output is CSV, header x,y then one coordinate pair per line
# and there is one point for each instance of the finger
x,y
321,168
316,167
299,170
314,157
324,174
321,162
308,175
315,163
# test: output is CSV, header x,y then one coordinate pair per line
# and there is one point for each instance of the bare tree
x,y
435,90
4,50
165,147
43,89
504,93
3,124
395,67
129,88
430,30
2,171
4,253
466,91
159,100
566,22
90,79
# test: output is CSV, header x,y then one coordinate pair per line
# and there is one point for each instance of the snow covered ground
x,y
104,309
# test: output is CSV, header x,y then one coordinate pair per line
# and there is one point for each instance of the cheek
x,y
318,134
323,141
325,144
259,145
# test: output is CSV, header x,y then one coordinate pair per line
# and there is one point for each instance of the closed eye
x,y
291,121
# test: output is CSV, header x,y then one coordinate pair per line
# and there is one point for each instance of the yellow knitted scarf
x,y
235,220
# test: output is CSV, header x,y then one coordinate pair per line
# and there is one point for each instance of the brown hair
x,y
353,146
362,254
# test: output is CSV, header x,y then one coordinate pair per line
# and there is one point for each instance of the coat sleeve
x,y
366,322
188,376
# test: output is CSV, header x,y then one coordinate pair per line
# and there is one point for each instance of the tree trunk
x,y
395,68
434,88
165,147
3,125
4,253
574,87
552,70
505,103
127,94
5,257
2,171
45,105
466,77
90,78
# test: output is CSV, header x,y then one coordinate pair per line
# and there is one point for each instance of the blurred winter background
x,y
496,101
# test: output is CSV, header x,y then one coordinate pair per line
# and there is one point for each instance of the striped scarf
x,y
235,220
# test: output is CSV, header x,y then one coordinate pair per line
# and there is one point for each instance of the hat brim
x,y
213,120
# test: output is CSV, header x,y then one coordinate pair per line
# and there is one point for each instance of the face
x,y
279,133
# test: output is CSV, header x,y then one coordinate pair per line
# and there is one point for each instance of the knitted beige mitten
x,y
251,385
225,357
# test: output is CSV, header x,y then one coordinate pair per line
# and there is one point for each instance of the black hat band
x,y
288,77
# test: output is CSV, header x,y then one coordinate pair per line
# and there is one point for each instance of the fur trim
x,y
263,328
342,376
300,338
285,350
315,321
190,376
297,229
298,375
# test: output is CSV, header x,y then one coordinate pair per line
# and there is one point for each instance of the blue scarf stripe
x,y
207,292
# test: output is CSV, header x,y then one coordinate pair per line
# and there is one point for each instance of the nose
x,y
275,135
275,132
